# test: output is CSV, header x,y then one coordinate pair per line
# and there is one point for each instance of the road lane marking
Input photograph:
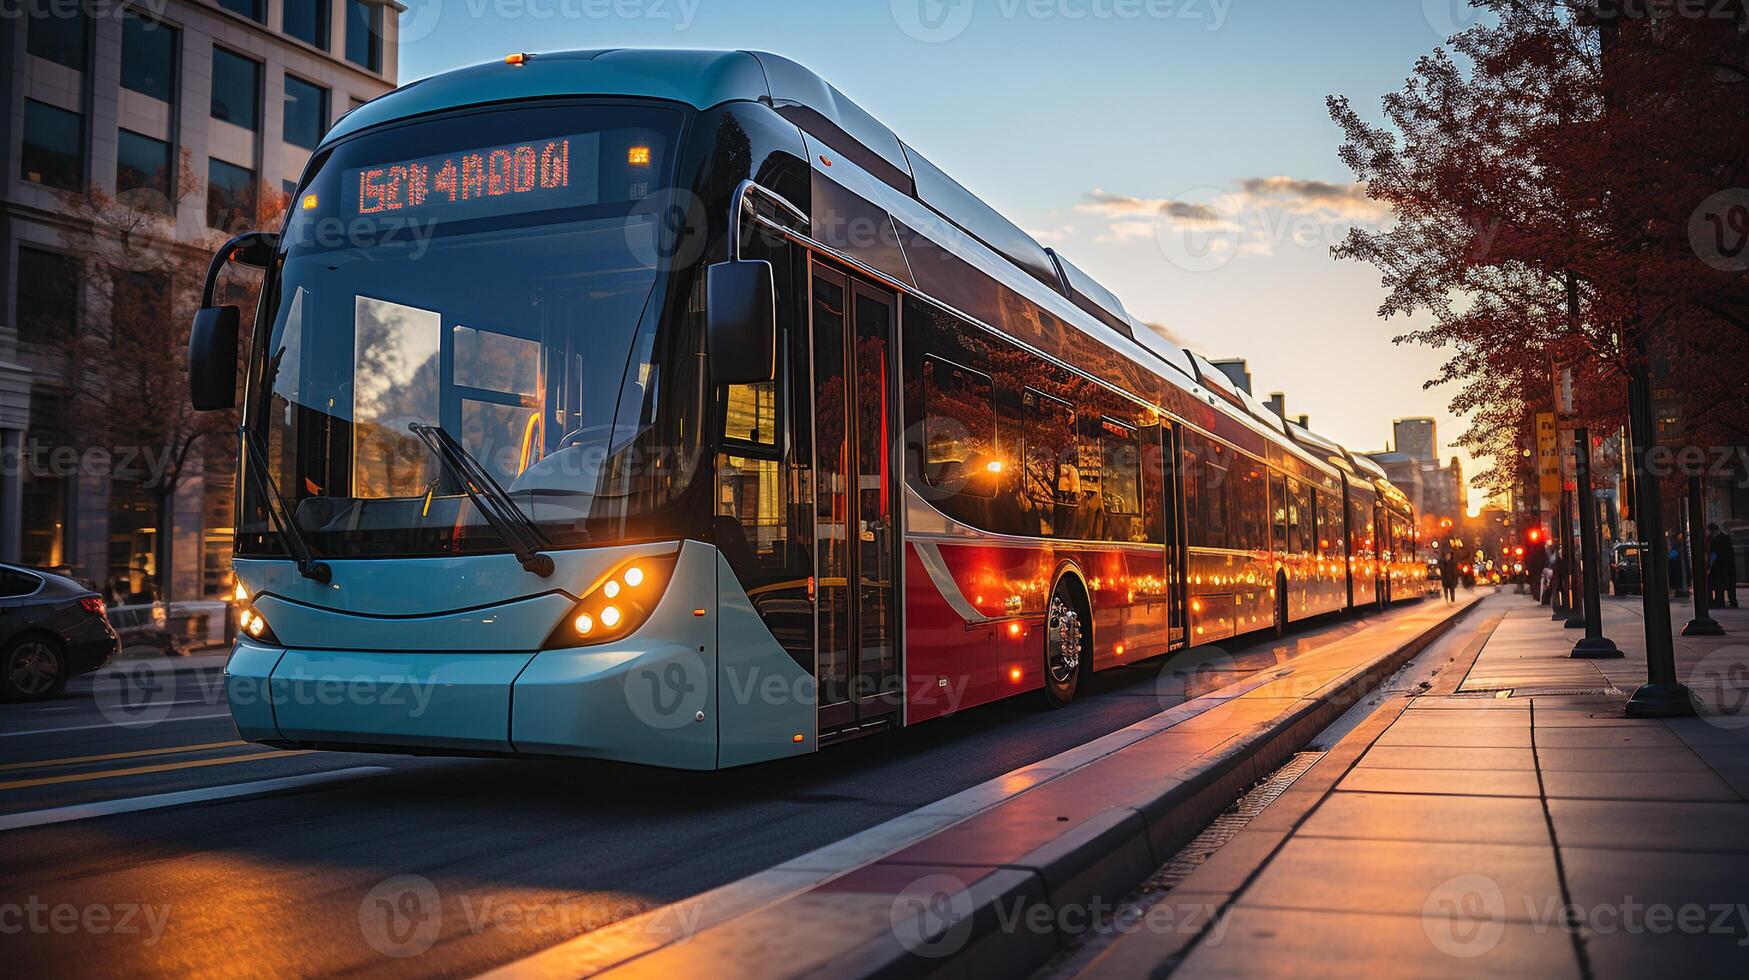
x,y
112,756
127,728
205,794
79,777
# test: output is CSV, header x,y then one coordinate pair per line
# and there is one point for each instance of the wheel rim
x,y
1063,653
34,669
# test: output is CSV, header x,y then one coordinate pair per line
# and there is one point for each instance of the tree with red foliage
x,y
128,363
1550,213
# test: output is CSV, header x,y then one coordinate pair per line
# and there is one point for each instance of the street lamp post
x,y
1662,696
1576,569
1594,645
1703,624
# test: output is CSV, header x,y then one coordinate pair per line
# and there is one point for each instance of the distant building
x,y
106,95
1418,438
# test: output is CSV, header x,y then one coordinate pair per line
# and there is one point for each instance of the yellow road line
x,y
142,770
112,756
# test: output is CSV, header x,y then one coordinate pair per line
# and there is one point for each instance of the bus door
x,y
856,432
1172,444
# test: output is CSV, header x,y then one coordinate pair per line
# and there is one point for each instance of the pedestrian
x,y
1448,576
1722,565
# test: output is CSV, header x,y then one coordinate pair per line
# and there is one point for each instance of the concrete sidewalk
x,y
1508,822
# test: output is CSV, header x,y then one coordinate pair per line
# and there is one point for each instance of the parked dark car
x,y
1624,568
51,628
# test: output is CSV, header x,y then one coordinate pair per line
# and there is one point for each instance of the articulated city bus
x,y
665,407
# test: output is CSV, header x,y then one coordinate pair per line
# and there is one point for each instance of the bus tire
x,y
1068,642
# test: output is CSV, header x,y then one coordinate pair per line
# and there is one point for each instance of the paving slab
x,y
1647,786
1379,874
1423,757
1454,782
1662,826
1429,817
1299,945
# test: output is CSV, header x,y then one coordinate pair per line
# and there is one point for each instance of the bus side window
x,y
1120,469
959,430
1279,515
752,501
1251,505
1217,495
1304,501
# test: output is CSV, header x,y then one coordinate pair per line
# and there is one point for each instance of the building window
x,y
236,88
364,34
307,20
230,196
306,112
148,57
54,146
60,39
255,10
142,171
48,296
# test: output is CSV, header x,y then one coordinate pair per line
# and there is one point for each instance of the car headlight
x,y
616,606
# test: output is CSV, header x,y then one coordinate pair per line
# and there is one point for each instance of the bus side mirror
x,y
212,344
212,358
741,321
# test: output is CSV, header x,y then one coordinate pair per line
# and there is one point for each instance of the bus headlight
x,y
616,606
253,625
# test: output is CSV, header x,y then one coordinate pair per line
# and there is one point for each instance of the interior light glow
x,y
638,156
309,203
994,466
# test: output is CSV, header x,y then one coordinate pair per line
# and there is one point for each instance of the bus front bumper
x,y
654,697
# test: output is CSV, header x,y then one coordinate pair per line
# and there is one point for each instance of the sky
x,y
1178,150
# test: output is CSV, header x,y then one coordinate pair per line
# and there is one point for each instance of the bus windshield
x,y
493,274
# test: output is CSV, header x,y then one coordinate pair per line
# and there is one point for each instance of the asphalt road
x,y
523,854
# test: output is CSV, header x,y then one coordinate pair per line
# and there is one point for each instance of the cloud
x,y
1127,206
1338,201
1050,236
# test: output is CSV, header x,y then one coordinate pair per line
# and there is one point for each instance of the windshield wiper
x,y
494,504
292,539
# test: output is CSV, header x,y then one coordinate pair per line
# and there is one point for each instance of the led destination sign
x,y
560,172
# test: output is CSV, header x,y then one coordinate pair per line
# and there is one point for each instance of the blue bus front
x,y
510,282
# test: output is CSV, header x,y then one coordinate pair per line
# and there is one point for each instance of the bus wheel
x,y
1067,645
